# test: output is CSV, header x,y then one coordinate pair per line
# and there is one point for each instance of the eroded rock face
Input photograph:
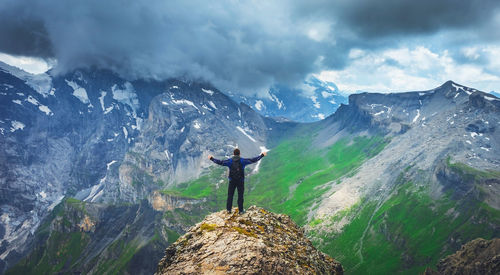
x,y
256,242
479,256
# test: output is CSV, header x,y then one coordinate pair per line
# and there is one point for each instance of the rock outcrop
x,y
256,242
478,256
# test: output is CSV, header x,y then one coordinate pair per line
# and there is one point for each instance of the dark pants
x,y
230,193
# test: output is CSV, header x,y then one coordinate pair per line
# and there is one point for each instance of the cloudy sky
x,y
248,46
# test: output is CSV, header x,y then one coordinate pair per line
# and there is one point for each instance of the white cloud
x,y
29,64
418,68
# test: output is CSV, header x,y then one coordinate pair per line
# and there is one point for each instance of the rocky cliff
x,y
479,256
256,242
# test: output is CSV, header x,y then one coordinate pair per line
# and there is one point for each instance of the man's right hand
x,y
210,157
264,154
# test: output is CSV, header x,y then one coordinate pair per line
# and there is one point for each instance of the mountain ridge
x,y
107,141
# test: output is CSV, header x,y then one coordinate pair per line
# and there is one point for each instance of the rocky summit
x,y
255,242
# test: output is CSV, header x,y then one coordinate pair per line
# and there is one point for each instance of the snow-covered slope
x,y
93,135
316,101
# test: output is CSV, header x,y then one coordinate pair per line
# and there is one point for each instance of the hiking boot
x,y
243,212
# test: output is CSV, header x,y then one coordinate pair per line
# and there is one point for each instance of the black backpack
x,y
236,170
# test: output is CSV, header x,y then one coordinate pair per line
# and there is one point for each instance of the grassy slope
x,y
411,231
407,233
290,178
294,174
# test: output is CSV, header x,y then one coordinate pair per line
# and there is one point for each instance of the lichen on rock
x,y
256,242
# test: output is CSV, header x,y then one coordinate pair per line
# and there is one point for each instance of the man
x,y
236,176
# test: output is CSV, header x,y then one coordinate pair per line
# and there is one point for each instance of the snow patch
x,y
126,96
485,149
110,163
245,133
79,92
258,105
326,94
43,194
125,132
17,101
379,113
315,102
197,125
417,116
473,134
185,102
490,98
457,88
32,100
321,116
262,149
164,103
46,110
210,92
101,99
41,83
109,109
468,141
278,102
212,104
16,125
182,129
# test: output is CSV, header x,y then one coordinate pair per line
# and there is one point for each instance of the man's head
x,y
236,152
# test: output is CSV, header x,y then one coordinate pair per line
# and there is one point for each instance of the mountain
x,y
317,100
391,182
98,138
111,171
256,242
478,256
495,94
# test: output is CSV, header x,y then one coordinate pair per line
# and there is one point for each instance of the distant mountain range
x,y
100,174
316,101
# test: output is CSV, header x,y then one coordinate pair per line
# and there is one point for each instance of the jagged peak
x,y
256,242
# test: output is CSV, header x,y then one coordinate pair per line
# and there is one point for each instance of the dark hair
x,y
236,152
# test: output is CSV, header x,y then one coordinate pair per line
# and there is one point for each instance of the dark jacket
x,y
244,162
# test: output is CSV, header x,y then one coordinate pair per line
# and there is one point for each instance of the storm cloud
x,y
243,46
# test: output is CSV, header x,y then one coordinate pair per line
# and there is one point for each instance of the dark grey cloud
x,y
382,18
239,45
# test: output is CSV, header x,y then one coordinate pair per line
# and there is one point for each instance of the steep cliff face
x,y
478,256
99,138
256,242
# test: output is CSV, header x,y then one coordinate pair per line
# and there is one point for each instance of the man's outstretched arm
x,y
220,162
254,160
